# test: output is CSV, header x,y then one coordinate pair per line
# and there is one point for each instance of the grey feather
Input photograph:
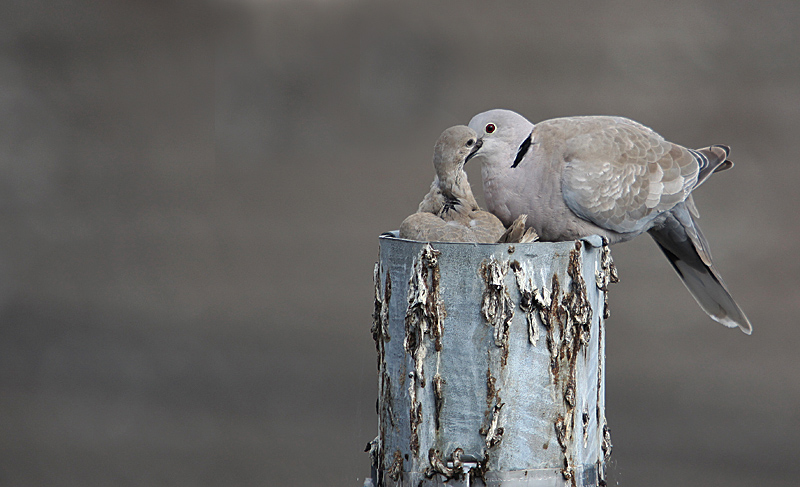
x,y
680,239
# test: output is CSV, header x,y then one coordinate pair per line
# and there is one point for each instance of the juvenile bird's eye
x,y
490,128
470,142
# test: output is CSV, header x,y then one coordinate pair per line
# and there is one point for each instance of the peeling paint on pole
x,y
466,393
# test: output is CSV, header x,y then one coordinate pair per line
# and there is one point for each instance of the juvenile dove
x,y
449,212
608,176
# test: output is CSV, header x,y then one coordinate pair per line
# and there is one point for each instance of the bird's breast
x,y
534,188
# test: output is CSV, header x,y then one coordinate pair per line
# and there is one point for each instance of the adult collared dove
x,y
608,176
449,212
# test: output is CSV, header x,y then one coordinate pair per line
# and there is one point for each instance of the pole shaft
x,y
491,364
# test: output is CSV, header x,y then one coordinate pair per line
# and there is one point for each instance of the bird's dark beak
x,y
474,150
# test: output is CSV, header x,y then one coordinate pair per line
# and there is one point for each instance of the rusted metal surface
x,y
467,395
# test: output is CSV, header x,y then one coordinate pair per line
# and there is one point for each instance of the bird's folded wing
x,y
619,174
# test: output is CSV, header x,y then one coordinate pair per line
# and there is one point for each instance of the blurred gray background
x,y
192,194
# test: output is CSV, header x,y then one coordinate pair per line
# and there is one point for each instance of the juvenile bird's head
x,y
505,134
454,148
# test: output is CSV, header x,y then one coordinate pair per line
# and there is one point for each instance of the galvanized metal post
x,y
491,364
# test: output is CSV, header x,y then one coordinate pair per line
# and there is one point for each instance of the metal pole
x,y
491,364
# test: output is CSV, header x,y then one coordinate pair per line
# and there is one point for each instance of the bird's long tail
x,y
687,250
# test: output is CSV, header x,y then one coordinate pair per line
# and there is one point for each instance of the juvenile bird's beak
x,y
478,145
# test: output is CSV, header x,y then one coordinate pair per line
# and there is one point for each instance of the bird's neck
x,y
498,184
455,187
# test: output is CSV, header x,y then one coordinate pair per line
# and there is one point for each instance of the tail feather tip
x,y
743,324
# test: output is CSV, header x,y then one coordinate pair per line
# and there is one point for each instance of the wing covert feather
x,y
620,174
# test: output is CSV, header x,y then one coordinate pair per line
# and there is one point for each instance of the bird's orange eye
x,y
490,128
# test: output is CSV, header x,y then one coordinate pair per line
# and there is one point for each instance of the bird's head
x,y
454,148
503,132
